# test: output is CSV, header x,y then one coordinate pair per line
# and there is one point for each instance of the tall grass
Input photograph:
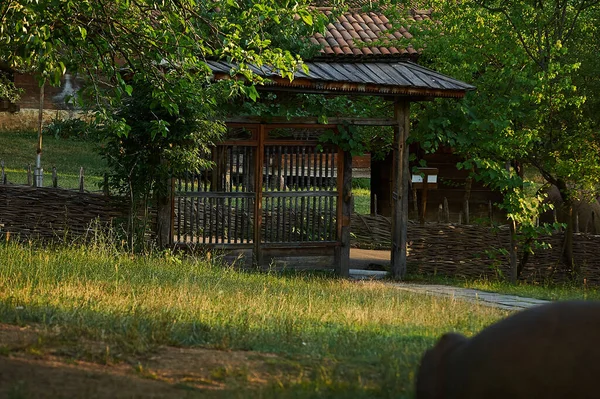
x,y
372,331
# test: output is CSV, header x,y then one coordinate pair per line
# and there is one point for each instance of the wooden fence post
x,y
105,188
81,180
2,174
446,211
54,177
29,181
164,217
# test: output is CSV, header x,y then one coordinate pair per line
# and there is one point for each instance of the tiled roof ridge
x,y
360,34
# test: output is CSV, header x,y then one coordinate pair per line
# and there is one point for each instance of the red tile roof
x,y
351,34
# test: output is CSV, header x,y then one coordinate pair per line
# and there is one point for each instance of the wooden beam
x,y
313,121
400,188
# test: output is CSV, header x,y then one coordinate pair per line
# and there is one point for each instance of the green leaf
x,y
252,93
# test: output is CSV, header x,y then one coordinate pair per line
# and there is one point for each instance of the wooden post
x,y
400,188
342,266
54,177
446,211
106,189
164,216
29,181
2,174
513,252
39,172
424,200
375,204
81,180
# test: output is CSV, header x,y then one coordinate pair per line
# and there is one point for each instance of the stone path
x,y
502,301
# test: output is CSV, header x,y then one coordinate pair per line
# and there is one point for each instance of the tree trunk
x,y
567,253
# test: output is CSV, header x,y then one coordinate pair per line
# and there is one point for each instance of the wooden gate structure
x,y
274,194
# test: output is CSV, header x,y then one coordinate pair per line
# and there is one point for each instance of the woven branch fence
x,y
478,251
54,213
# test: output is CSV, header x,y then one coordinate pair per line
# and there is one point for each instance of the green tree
x,y
535,104
159,49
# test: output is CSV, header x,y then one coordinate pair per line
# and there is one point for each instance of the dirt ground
x,y
38,364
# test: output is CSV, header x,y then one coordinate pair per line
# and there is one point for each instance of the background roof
x,y
366,34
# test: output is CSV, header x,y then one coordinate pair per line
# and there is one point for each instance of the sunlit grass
x,y
372,335
362,200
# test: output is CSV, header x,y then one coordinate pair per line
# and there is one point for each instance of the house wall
x,y
55,103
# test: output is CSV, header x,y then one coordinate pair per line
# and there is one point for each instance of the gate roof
x,y
400,78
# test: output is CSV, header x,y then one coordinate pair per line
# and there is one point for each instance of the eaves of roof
x,y
403,78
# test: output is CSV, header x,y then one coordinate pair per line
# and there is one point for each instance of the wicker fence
x,y
478,251
54,213
445,249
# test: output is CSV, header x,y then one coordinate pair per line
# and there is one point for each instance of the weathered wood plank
x,y
311,122
400,189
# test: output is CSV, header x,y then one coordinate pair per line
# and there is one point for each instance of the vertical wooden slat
x,y
185,206
331,183
192,216
244,174
259,197
172,200
285,188
179,198
281,186
200,211
314,197
303,167
221,207
236,205
230,189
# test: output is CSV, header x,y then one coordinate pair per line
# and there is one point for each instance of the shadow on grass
x,y
337,363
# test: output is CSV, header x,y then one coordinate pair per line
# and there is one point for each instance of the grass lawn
x,y
18,149
258,334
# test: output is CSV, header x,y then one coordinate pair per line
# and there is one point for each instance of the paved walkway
x,y
501,301
361,259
